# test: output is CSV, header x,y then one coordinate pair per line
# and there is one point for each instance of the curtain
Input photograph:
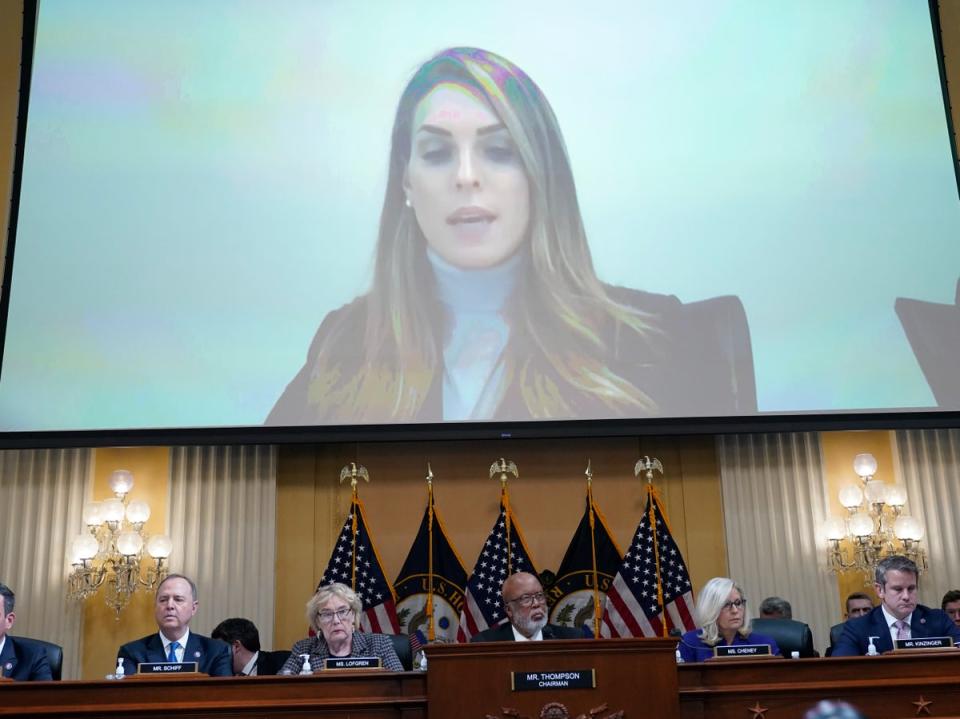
x,y
223,524
929,467
774,499
42,493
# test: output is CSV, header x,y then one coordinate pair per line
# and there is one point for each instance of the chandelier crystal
x,y
875,526
111,552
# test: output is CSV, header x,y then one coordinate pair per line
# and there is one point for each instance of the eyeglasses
x,y
529,600
735,604
341,614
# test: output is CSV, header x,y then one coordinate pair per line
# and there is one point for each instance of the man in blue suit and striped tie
x,y
898,616
176,603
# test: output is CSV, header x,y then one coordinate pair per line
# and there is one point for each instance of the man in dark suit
x,y
18,660
244,640
176,603
526,608
898,616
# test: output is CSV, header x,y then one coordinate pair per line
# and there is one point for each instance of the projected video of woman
x,y
484,303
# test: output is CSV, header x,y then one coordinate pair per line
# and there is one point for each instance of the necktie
x,y
903,629
172,652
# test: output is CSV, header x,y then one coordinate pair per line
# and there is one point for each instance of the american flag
x,y
355,562
503,554
652,577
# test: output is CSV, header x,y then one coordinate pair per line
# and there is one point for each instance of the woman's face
x,y
732,613
336,621
465,180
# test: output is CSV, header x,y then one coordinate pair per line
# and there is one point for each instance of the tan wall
x,y
11,27
103,631
548,501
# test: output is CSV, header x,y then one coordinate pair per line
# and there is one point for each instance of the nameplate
x,y
742,651
545,681
924,643
352,663
167,668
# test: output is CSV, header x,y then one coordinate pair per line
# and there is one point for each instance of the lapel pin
x,y
923,621
196,654
8,666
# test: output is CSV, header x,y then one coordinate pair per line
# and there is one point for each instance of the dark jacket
x,y
504,633
924,622
24,661
695,361
212,655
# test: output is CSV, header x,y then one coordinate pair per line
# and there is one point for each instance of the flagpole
x,y
649,465
593,553
502,467
355,472
431,635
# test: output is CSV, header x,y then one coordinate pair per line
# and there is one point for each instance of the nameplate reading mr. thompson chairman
x,y
544,681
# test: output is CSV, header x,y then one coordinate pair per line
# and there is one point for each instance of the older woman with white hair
x,y
722,616
334,614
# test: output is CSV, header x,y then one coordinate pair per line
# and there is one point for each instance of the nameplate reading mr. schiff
x,y
352,663
540,681
167,668
742,651
925,643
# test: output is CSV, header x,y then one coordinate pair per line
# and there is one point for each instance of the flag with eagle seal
x,y
571,597
447,576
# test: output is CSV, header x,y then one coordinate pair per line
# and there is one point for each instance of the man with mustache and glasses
x,y
176,603
526,608
899,616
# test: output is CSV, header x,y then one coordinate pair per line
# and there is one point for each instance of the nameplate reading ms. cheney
x,y
167,668
925,643
567,679
352,663
742,651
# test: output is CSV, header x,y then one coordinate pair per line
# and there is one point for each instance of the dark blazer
x,y
504,633
925,622
270,663
212,655
696,360
24,661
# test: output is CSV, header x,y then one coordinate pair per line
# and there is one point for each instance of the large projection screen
x,y
634,212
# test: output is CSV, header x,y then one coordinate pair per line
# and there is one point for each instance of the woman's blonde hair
x,y
557,352
323,595
710,601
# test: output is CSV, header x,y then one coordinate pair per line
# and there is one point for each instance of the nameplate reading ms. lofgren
x,y
566,679
742,650
167,667
352,663
925,643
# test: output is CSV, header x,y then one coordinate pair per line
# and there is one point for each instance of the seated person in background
x,y
17,659
898,616
775,608
244,640
951,605
526,608
176,603
334,614
857,605
722,615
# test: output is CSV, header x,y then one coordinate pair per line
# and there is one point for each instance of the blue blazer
x,y
24,661
212,655
924,622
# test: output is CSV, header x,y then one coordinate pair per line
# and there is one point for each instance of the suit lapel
x,y
8,658
194,651
880,630
155,650
918,625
